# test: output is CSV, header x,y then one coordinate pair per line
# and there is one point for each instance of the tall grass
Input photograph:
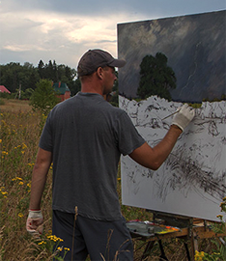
x,y
19,137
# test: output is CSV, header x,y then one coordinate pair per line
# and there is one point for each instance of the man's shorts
x,y
102,240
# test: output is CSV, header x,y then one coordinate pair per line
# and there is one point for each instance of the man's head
x,y
93,59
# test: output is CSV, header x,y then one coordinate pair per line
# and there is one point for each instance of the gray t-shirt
x,y
87,135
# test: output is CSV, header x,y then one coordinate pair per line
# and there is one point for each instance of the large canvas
x,y
192,181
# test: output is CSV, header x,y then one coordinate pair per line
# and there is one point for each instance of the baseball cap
x,y
95,58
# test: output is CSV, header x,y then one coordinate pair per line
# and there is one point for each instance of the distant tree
x,y
44,97
75,87
41,69
156,78
55,72
26,95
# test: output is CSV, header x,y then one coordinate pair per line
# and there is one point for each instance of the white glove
x,y
183,117
34,222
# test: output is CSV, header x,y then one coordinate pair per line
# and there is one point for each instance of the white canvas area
x,y
192,180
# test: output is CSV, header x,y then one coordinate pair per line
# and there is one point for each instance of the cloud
x,y
57,36
63,30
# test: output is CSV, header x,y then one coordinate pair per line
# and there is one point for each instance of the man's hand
x,y
34,222
183,117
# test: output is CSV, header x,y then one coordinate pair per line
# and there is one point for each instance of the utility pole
x,y
19,92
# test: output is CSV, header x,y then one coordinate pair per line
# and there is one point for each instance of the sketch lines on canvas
x,y
197,164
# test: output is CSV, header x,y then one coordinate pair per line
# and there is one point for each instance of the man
x,y
84,137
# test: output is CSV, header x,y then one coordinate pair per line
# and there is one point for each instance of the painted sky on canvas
x,y
195,49
62,30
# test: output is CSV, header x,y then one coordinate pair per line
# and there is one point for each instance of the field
x,y
20,132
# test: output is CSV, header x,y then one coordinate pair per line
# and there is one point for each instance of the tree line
x,y
156,77
15,76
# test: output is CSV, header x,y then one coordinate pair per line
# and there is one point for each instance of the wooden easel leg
x,y
194,243
187,251
147,250
163,256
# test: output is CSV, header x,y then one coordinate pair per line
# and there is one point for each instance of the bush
x,y
44,98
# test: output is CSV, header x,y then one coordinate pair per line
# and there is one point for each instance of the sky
x,y
62,30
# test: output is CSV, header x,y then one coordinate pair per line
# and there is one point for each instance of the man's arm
x,y
153,158
39,175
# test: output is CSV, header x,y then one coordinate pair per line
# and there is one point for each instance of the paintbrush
x,y
170,114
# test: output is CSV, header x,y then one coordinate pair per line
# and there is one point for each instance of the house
x,y
4,89
63,91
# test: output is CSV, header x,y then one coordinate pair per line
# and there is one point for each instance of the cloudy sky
x,y
62,30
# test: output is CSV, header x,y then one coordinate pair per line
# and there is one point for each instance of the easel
x,y
191,229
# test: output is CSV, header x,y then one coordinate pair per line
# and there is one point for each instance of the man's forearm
x,y
165,146
154,157
37,188
39,175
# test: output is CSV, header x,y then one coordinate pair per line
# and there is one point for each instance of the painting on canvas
x,y
170,62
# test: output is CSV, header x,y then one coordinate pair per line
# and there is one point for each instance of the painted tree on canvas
x,y
156,77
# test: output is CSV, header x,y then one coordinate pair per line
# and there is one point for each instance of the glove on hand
x,y
183,117
34,222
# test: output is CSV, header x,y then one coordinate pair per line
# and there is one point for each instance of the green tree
x,y
41,69
156,78
75,87
44,98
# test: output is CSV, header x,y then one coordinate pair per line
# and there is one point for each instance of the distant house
x,y
63,90
4,89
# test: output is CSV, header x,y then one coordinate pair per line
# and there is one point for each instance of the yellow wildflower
x,y
199,255
21,183
41,243
67,249
24,146
0,140
20,215
60,248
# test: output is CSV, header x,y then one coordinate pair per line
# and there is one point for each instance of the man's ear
x,y
100,72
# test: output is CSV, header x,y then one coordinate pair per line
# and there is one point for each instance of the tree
x,y
156,78
44,97
41,69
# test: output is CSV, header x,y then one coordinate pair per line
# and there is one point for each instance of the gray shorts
x,y
102,240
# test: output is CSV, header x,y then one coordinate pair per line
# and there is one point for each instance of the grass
x,y
14,105
19,137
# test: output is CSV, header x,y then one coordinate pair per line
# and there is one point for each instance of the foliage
x,y
14,76
156,78
219,252
75,87
44,97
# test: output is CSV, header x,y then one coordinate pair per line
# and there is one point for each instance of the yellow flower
x,y
24,146
60,248
199,255
21,183
0,140
22,151
20,215
67,249
41,243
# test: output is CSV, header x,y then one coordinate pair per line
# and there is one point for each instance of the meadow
x,y
19,137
